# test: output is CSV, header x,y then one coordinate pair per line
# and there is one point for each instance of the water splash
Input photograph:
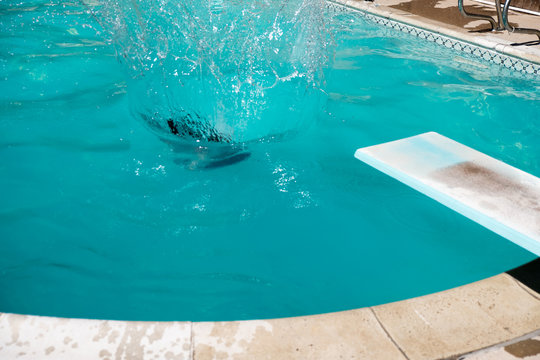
x,y
219,70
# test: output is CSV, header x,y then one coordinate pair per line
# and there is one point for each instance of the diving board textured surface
x,y
496,195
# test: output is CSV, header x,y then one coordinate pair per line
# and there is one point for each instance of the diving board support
x,y
496,195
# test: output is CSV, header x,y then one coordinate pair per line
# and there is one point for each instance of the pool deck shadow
x,y
495,318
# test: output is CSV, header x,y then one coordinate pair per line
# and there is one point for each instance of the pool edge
x,y
447,324
525,60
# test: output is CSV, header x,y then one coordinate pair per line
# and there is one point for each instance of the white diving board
x,y
496,195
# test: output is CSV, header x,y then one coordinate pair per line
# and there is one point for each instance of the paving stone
x,y
463,319
36,337
353,334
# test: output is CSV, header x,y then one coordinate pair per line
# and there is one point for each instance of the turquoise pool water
x,y
101,219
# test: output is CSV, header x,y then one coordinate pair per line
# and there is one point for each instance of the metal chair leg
x,y
512,29
495,25
500,26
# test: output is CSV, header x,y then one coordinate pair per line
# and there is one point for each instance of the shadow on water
x,y
207,156
230,160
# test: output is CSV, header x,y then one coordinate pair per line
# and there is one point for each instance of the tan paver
x,y
352,334
463,319
36,337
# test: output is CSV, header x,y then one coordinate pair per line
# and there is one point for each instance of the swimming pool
x,y
101,219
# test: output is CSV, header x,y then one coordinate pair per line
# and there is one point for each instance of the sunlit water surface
x,y
99,218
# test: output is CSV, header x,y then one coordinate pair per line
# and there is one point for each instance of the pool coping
x,y
464,322
524,60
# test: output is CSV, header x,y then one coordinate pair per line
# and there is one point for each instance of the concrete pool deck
x,y
495,318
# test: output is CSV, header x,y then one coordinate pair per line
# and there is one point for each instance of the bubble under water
x,y
228,71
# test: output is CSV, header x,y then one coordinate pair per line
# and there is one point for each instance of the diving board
x,y
496,195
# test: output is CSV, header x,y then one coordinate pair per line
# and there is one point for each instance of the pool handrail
x,y
495,25
512,29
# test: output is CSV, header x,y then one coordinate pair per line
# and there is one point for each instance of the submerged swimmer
x,y
206,157
197,129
